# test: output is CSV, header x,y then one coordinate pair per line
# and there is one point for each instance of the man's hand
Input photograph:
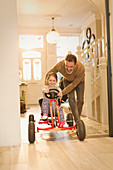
x,y
60,94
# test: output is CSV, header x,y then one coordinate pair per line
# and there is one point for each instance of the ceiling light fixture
x,y
52,36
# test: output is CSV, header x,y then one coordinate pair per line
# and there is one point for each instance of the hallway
x,y
30,21
60,150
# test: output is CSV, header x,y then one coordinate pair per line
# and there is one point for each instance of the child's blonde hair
x,y
51,74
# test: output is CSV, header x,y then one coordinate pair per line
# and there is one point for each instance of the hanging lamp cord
x,y
53,29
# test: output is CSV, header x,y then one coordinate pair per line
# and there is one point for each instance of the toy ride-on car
x,y
53,121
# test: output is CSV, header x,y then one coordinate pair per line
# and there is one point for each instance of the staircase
x,y
94,59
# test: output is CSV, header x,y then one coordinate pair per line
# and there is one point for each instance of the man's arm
x,y
72,85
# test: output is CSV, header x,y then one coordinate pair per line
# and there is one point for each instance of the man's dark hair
x,y
71,58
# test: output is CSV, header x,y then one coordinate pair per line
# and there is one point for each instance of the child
x,y
52,84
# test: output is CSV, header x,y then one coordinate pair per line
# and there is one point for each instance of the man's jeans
x,y
76,106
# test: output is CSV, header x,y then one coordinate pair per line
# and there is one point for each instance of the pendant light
x,y
52,36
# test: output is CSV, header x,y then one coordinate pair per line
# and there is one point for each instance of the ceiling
x,y
33,13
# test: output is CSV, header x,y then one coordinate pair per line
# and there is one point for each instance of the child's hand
x,y
60,94
46,91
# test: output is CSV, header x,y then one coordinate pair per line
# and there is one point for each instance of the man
x,y
73,73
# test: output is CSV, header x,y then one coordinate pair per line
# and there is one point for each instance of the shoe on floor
x,y
63,124
44,117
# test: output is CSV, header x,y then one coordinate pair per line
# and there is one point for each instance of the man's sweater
x,y
75,77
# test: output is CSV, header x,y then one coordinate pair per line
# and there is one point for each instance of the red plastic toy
x,y
53,122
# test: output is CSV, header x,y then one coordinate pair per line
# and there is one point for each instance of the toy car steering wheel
x,y
53,93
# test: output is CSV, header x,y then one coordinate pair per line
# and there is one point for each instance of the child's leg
x,y
61,114
45,106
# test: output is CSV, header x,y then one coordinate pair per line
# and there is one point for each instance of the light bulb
x,y
52,36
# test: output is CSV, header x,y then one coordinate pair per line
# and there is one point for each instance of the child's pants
x,y
46,109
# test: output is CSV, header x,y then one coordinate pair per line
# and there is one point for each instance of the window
x,y
31,54
65,45
30,41
31,65
36,69
26,69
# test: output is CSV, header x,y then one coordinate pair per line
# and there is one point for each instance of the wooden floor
x,y
60,150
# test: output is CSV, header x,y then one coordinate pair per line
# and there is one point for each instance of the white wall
x,y
99,4
9,78
94,21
